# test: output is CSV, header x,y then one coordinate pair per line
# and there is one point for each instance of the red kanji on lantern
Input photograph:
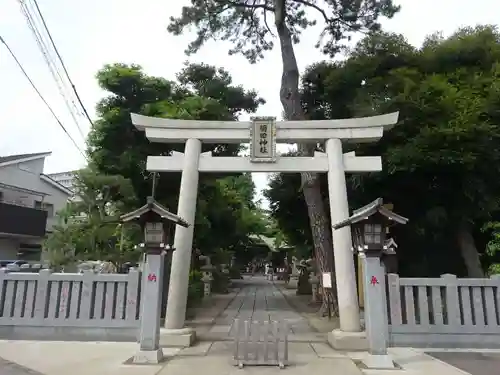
x,y
152,277
373,280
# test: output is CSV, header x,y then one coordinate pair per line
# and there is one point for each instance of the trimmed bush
x,y
235,273
304,286
195,289
220,283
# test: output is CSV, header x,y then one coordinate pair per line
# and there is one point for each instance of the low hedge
x,y
195,288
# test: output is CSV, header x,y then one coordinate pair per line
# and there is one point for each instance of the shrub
x,y
304,286
235,273
220,283
195,289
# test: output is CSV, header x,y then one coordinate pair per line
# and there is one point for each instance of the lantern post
x,y
369,226
156,222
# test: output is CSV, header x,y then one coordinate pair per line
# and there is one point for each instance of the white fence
x,y
69,306
443,312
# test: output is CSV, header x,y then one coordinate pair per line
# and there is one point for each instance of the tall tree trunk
x,y
290,99
468,250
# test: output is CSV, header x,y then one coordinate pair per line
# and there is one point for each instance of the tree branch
x,y
327,19
314,6
211,17
251,6
252,22
265,22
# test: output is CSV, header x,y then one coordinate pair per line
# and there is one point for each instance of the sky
x,y
92,33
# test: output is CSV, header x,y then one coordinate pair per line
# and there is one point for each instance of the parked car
x,y
4,263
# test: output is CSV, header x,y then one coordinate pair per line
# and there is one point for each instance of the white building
x,y
64,178
29,201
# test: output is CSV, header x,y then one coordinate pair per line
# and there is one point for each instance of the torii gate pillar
x,y
181,259
342,243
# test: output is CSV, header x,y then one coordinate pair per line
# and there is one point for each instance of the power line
x,y
51,64
62,62
40,95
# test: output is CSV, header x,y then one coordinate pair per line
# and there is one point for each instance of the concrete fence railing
x,y
445,311
64,306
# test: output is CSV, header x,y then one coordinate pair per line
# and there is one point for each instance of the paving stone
x,y
11,368
220,329
300,348
222,366
326,351
221,348
201,348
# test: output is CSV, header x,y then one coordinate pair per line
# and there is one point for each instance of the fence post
x,y
452,300
86,305
42,294
132,295
383,284
2,283
497,293
394,299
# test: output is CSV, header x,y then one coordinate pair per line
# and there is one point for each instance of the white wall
x,y
24,175
57,198
27,175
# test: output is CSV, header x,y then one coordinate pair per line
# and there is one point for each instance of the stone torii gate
x,y
263,133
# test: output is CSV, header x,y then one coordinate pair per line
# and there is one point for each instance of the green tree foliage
x,y
245,24
202,92
226,215
441,161
493,247
283,191
89,227
226,212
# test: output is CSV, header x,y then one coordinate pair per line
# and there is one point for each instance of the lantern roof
x,y
390,243
152,206
372,208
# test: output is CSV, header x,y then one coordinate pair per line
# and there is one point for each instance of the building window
x,y
49,207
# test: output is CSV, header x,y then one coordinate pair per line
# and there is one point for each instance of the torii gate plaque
x,y
263,140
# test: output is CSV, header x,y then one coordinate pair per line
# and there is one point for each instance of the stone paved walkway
x,y
475,363
260,300
11,368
